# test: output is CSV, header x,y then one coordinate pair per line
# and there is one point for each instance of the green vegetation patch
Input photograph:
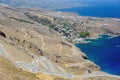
x,y
84,34
21,20
41,20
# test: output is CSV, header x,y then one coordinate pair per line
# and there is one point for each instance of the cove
x,y
105,52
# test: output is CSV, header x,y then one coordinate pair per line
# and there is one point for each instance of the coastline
x,y
35,48
100,46
83,40
95,11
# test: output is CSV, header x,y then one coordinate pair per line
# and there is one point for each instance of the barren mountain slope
x,y
49,4
31,50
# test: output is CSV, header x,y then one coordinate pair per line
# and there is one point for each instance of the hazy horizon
x,y
52,4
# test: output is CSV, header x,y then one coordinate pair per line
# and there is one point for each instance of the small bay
x,y
105,52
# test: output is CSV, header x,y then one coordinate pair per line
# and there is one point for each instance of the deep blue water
x,y
105,52
107,11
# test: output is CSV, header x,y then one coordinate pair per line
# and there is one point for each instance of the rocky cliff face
x,y
31,50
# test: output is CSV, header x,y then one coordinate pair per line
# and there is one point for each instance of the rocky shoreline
x,y
32,44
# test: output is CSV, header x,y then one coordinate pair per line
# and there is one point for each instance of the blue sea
x,y
106,10
104,51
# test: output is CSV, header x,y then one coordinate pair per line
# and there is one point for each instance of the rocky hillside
x,y
70,26
47,4
32,47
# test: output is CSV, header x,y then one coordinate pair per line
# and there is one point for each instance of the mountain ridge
x,y
50,4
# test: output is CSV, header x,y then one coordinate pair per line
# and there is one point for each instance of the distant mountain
x,y
48,4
